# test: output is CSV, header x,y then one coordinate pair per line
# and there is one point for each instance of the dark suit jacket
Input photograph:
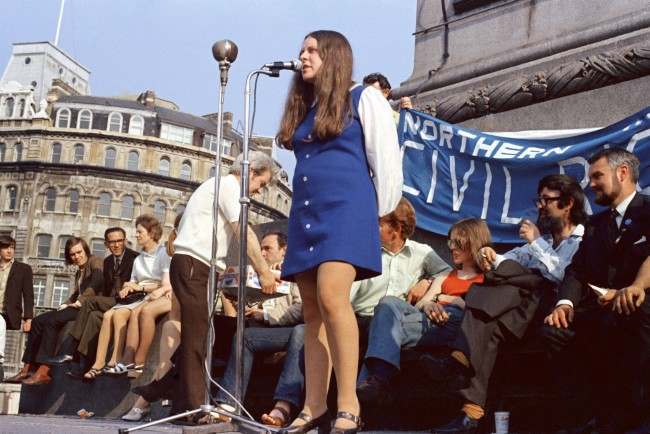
x,y
19,294
92,281
601,262
113,281
510,293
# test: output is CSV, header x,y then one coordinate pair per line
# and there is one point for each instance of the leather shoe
x,y
463,424
373,391
58,360
37,379
20,376
446,370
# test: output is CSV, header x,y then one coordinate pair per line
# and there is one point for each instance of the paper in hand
x,y
598,290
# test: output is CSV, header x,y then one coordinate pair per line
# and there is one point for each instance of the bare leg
x,y
318,365
148,315
104,339
120,317
132,335
334,283
171,339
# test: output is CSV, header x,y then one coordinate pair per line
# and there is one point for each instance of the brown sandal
x,y
267,419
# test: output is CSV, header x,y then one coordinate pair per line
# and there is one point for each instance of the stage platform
x,y
50,424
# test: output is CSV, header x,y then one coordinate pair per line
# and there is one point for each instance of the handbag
x,y
132,297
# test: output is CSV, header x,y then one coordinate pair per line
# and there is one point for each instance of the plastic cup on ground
x,y
501,422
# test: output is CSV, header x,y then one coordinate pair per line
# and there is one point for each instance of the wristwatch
x,y
435,298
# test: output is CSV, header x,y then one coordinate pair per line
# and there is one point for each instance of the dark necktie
x,y
117,264
612,226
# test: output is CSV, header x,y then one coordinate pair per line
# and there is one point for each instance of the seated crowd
x,y
456,316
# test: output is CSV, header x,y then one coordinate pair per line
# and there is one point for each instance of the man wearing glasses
x,y
117,270
550,246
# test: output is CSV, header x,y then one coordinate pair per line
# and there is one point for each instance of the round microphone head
x,y
225,50
297,65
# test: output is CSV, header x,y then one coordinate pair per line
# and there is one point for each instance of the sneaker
x,y
136,414
461,425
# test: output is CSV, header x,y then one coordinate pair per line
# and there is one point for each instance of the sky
x,y
165,45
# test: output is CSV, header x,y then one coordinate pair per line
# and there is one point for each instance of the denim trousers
x,y
266,340
397,325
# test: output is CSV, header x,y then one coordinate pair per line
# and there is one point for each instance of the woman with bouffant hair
x,y
348,172
149,280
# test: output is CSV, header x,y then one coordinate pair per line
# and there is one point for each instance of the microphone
x,y
292,65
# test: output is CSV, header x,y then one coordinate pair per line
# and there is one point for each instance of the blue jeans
x,y
396,325
256,340
291,384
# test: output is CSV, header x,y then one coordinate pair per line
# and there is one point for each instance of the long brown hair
x,y
472,234
330,88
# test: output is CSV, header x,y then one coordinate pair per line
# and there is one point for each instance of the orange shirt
x,y
452,285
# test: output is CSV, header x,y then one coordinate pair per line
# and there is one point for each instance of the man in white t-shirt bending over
x,y
190,266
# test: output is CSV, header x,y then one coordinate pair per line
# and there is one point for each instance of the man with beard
x,y
550,246
615,338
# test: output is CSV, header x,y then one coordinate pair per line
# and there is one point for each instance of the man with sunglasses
x,y
117,270
550,246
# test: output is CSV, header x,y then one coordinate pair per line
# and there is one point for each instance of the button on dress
x,y
334,215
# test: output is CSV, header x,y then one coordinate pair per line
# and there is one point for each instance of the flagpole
x,y
58,24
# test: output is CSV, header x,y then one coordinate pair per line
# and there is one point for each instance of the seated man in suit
x,y
614,247
16,293
117,270
44,332
550,246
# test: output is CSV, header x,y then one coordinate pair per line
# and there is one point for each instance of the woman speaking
x,y
348,172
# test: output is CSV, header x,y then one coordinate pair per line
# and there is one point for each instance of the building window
x,y
43,242
79,152
9,108
176,134
127,207
104,204
85,119
21,108
62,240
210,142
73,201
212,172
40,283
115,122
180,208
63,118
186,170
3,151
56,152
163,167
19,151
12,193
159,210
50,199
136,125
133,161
109,159
97,248
60,291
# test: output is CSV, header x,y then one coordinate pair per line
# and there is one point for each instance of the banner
x,y
452,172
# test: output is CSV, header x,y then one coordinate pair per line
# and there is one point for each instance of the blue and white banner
x,y
452,172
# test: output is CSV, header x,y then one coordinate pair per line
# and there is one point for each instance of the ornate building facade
x,y
74,165
507,65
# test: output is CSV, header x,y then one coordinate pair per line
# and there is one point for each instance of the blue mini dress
x,y
333,213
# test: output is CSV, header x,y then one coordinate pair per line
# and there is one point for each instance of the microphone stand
x,y
225,52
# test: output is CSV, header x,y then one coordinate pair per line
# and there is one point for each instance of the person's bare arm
x,y
254,252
